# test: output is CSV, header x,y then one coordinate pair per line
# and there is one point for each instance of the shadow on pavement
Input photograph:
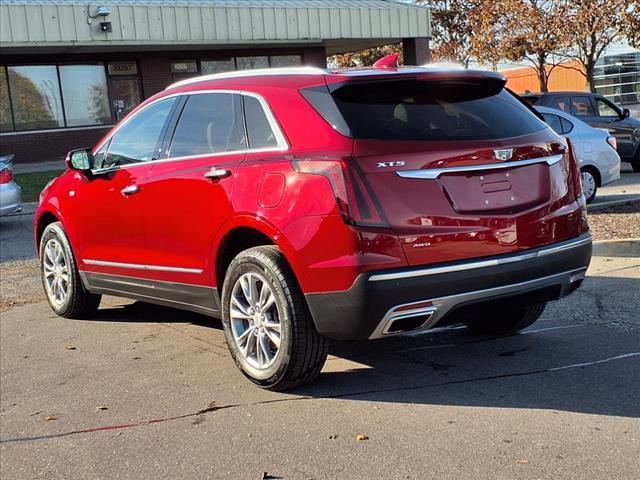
x,y
570,363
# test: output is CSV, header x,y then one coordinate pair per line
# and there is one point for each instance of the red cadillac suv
x,y
302,205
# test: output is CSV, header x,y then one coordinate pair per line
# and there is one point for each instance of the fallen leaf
x,y
361,436
102,407
523,461
69,347
50,417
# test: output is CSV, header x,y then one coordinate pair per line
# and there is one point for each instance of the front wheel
x,y
60,277
267,326
505,320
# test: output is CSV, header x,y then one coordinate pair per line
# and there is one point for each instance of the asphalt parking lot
x,y
145,392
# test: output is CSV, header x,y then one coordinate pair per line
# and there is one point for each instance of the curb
x,y
611,203
626,247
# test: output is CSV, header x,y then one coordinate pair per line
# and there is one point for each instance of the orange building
x,y
564,77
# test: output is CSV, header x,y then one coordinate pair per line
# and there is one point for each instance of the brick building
x,y
69,71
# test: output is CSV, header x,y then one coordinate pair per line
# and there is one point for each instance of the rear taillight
x,y
353,195
6,175
613,142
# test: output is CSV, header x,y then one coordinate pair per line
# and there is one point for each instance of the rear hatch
x,y
456,165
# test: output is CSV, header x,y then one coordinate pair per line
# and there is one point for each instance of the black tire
x,y
302,351
505,319
635,163
594,178
79,302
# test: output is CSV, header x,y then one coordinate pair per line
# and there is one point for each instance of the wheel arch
x,y
244,232
595,171
45,218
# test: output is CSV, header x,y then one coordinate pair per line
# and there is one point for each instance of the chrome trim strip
x,y
444,305
483,263
434,173
137,266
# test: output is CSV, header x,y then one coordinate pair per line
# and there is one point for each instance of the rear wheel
x,y
60,278
505,320
267,326
589,183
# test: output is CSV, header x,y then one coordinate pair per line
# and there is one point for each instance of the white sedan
x,y
595,149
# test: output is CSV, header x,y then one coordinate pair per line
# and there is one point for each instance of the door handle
x,y
215,173
130,190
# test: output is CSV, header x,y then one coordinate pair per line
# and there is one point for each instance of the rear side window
x,y
559,124
259,130
416,109
553,121
209,123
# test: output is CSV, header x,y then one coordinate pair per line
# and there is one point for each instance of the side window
x,y
209,123
606,109
136,140
560,103
581,107
258,128
554,122
567,126
99,156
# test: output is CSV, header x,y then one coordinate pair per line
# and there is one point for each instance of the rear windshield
x,y
428,110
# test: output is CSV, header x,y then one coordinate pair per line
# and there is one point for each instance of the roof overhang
x,y
32,26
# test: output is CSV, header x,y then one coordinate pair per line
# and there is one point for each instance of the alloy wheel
x,y
56,272
255,320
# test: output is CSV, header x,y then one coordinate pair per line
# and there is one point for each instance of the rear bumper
x,y
10,198
425,297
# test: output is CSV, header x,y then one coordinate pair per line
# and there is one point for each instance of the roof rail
x,y
251,73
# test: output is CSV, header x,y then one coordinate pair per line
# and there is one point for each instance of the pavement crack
x,y
212,408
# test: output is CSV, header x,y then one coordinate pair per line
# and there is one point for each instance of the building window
x,y
86,99
6,122
217,66
286,61
246,63
617,77
35,97
41,97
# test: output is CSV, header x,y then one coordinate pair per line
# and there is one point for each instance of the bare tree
x,y
594,26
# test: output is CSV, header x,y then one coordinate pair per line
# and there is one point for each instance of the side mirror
x,y
80,159
625,113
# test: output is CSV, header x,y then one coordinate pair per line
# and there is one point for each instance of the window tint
x,y
136,140
560,103
605,109
581,107
427,110
209,123
554,122
260,133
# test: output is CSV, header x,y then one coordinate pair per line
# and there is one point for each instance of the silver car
x,y
595,149
10,191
